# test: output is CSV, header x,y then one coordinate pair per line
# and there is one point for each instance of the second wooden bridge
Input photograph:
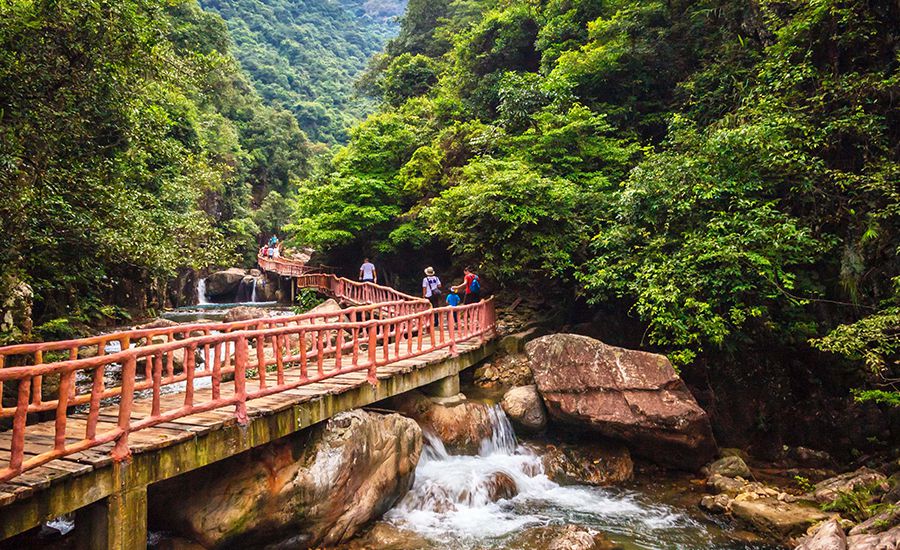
x,y
90,430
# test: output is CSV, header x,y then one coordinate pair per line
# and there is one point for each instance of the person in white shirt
x,y
367,272
431,288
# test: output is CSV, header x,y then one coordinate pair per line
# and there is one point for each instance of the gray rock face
x,y
730,466
888,540
632,396
829,536
525,409
222,283
779,519
317,488
829,490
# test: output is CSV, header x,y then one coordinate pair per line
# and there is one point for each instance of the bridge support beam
x,y
445,389
117,522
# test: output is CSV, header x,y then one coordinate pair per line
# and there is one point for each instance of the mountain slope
x,y
306,54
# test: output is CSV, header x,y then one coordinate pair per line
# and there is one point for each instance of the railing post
x,y
373,353
451,326
121,451
240,380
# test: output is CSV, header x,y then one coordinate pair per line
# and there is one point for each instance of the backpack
x,y
475,285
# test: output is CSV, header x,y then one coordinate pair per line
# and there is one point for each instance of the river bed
x,y
453,504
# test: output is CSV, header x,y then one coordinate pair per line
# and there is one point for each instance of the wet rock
x,y
222,283
244,313
730,451
628,395
508,370
525,409
562,537
721,484
317,488
387,536
809,458
779,519
717,504
888,540
829,536
157,323
829,490
501,486
893,494
460,427
606,464
879,522
730,466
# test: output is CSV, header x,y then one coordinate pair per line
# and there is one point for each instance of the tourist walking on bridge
x,y
367,272
431,288
472,284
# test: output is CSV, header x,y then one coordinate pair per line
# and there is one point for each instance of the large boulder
x,y
244,313
317,488
604,464
223,283
776,518
561,537
730,466
460,427
525,409
829,536
629,395
888,540
829,490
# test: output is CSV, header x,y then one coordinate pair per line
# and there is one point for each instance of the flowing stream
x,y
454,503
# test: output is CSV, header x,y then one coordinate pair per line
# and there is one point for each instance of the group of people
x,y
432,288
272,249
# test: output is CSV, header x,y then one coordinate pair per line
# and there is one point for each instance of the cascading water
x,y
483,501
201,292
253,292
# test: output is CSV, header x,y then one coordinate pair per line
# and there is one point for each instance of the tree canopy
x,y
724,171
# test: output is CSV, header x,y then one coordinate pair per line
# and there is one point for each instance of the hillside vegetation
x,y
131,147
723,174
304,55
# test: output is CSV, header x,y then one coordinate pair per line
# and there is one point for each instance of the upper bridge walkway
x,y
87,425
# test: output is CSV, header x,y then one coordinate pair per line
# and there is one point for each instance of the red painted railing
x,y
237,361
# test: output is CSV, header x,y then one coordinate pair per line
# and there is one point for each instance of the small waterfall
x,y
479,501
253,292
201,292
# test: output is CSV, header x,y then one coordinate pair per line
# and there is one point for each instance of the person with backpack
x,y
473,287
431,288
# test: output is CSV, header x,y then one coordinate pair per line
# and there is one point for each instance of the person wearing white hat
x,y
431,287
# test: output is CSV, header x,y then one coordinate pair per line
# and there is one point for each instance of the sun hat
x,y
429,271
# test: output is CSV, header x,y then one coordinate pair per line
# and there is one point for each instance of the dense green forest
x,y
718,180
132,147
719,177
305,55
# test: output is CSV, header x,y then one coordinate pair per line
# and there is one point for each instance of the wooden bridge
x,y
87,425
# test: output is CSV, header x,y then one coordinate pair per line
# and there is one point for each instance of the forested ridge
x,y
717,180
305,55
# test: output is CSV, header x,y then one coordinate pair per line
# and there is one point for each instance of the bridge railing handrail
x,y
224,359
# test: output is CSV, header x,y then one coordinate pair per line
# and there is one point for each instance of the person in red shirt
x,y
472,284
